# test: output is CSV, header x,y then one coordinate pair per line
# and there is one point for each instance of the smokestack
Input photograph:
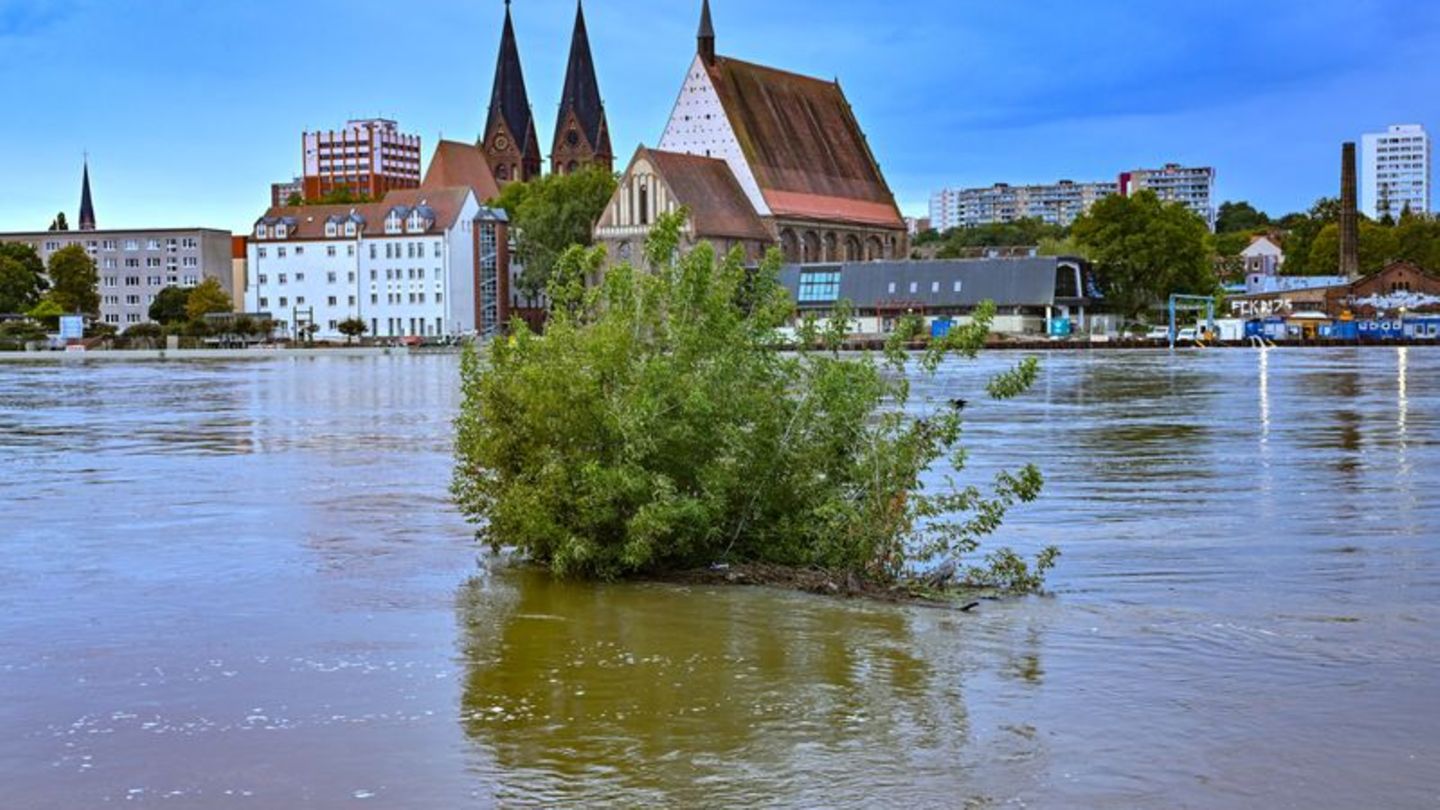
x,y
1349,215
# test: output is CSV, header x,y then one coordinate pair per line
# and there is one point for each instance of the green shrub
x,y
654,428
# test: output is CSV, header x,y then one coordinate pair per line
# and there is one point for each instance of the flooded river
x,y
241,585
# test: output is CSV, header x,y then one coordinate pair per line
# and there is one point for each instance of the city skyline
x,y
1239,98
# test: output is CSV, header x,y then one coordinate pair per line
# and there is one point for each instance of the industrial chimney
x,y
1349,215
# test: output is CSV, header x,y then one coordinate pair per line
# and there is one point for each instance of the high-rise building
x,y
1395,172
368,158
1057,203
510,143
1194,187
582,135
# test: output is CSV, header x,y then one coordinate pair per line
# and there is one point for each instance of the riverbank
x,y
144,355
834,584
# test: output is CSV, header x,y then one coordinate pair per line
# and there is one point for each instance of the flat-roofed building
x,y
135,265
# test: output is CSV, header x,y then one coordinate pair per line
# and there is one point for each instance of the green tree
x,y
22,277
1378,247
209,297
295,199
352,328
1145,250
47,312
1020,233
654,427
59,223
74,282
552,213
1417,240
170,305
1240,217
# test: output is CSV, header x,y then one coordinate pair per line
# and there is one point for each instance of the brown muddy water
x,y
241,584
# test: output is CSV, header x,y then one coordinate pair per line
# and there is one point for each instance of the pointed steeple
x,y
510,138
582,135
706,37
87,206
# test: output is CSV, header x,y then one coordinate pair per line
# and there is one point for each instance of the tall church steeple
x,y
87,206
706,38
582,135
510,142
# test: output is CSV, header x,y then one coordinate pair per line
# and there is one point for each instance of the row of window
x,y
396,274
393,250
334,301
110,245
150,281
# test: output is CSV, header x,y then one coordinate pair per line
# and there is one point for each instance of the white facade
x,y
397,275
1056,203
699,126
1193,187
1395,172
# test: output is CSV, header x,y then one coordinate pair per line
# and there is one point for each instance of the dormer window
x,y
350,229
330,229
416,224
260,231
392,224
280,231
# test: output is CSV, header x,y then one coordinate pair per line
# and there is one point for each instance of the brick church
x,y
760,157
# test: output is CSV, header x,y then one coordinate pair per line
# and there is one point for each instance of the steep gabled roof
x,y
581,93
718,206
508,100
803,144
461,164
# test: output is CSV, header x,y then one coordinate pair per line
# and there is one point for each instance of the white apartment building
x,y
410,265
1395,172
135,265
1056,203
1194,187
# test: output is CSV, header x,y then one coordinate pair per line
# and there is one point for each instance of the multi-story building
x,y
1395,172
421,262
135,265
1194,187
281,193
1056,203
369,158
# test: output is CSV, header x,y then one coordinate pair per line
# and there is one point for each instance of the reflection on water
x,y
242,584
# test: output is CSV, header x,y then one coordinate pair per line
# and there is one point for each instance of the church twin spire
x,y
582,134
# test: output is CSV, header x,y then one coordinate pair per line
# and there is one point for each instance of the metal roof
x,y
1031,282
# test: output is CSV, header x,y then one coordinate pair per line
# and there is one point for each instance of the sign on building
x,y
72,327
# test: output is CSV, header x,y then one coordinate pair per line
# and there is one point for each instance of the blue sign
x,y
72,327
1060,327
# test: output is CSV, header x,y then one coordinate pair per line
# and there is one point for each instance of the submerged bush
x,y
655,427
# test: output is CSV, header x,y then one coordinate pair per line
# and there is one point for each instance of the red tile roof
x,y
461,164
718,206
804,145
310,219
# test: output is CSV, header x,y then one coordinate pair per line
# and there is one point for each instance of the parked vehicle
x,y
1158,333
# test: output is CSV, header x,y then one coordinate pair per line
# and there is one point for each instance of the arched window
x,y
571,167
852,248
644,203
832,250
874,249
790,246
810,245
502,172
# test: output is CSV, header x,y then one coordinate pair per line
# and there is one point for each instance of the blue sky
x,y
190,110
